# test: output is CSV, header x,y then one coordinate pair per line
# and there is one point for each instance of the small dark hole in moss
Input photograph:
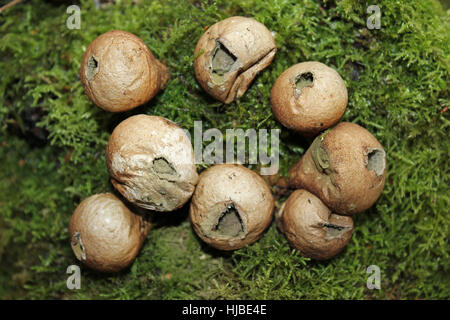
x,y
230,222
303,80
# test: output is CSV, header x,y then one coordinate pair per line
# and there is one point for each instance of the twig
x,y
6,6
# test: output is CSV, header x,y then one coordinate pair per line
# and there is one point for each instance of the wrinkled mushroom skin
x,y
104,234
312,228
230,54
345,168
119,72
309,97
231,206
151,163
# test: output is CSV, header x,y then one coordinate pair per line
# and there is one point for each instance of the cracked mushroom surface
x,y
345,167
311,227
230,54
309,97
104,234
231,206
151,163
119,72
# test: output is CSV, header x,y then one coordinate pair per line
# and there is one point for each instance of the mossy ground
x,y
398,83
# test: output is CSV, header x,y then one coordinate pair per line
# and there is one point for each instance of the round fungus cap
x,y
309,97
231,206
105,235
230,54
151,163
311,227
345,167
119,72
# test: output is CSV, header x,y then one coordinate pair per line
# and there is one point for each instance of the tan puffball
x,y
345,168
151,163
231,206
311,227
119,72
309,97
230,54
105,235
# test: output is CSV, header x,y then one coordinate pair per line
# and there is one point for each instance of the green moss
x,y
397,78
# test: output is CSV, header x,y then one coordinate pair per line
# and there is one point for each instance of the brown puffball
x,y
345,167
309,97
105,235
231,206
311,227
119,72
151,163
230,54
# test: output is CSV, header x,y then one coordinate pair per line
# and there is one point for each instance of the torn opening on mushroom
x,y
162,166
142,225
221,62
92,68
77,246
333,230
376,161
305,79
229,222
149,204
320,157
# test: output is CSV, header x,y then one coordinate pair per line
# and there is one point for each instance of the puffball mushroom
x,y
231,206
151,163
345,167
309,97
230,54
119,72
311,227
105,235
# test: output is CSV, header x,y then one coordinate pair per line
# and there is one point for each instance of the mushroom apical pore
x,y
311,227
230,54
231,206
309,97
119,72
104,234
345,167
151,163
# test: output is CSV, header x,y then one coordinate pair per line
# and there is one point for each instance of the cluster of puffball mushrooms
x,y
151,163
